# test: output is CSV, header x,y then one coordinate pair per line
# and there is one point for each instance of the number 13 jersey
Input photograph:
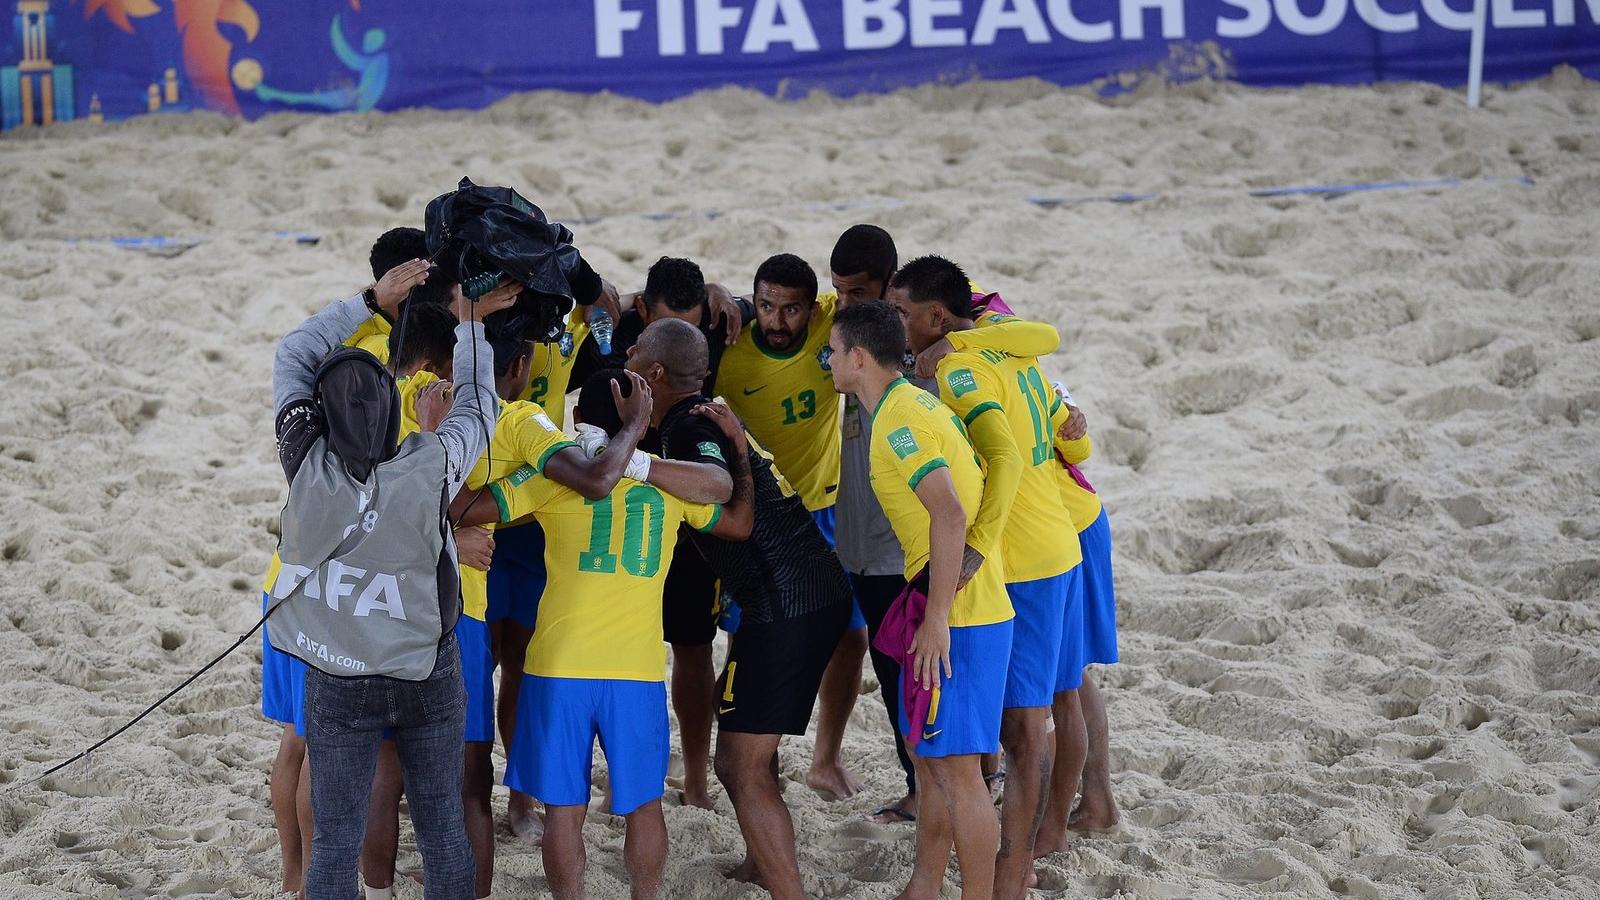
x,y
605,563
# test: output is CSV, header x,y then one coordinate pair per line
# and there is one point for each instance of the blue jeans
x,y
345,720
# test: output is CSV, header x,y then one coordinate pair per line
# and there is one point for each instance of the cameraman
x,y
337,416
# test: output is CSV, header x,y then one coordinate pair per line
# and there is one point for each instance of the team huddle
x,y
881,470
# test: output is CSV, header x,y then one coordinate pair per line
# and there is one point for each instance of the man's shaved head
x,y
678,347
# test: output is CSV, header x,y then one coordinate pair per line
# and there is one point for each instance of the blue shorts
x,y
824,518
965,716
516,575
477,667
1036,639
558,720
1074,653
1100,593
283,682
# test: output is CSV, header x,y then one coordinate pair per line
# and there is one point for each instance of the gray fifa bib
x,y
365,566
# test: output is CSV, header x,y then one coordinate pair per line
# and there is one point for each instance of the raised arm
x,y
466,429
739,513
595,477
1004,334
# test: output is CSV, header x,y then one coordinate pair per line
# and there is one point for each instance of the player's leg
x,y
549,760
285,784
874,595
635,734
516,581
1098,809
689,623
1025,730
1071,737
563,851
973,826
744,766
841,685
477,671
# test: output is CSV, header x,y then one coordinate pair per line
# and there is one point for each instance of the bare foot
x,y
745,872
1050,840
833,782
526,826
699,799
902,810
1094,815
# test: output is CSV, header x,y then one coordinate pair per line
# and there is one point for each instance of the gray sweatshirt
x,y
466,429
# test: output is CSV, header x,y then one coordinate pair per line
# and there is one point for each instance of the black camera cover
x,y
475,230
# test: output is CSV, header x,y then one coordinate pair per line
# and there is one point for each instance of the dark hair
x,y
874,327
790,271
395,246
864,249
508,347
934,279
676,283
430,336
595,404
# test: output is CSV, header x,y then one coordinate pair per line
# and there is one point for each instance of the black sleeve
x,y
697,439
298,427
585,283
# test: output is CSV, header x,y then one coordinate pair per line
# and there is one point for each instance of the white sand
x,y
1352,449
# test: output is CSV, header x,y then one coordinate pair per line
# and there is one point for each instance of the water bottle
x,y
600,326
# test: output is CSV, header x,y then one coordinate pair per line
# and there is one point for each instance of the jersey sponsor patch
x,y
902,442
520,474
544,422
707,448
961,382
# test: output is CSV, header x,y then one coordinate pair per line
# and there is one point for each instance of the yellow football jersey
x,y
788,402
1082,504
551,368
605,564
1039,540
914,434
524,438
373,337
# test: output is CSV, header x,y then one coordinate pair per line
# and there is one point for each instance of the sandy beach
x,y
1350,445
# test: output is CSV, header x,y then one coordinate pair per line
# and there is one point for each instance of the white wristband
x,y
638,466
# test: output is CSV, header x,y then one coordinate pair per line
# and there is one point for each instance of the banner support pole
x,y
1480,25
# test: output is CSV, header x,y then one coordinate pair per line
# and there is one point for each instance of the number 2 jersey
x,y
605,563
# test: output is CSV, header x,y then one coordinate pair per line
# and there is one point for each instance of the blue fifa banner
x,y
110,59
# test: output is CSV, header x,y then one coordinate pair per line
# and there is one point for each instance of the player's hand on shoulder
x,y
433,404
724,308
928,359
725,419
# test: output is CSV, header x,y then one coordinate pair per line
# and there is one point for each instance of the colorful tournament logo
x,y
111,59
